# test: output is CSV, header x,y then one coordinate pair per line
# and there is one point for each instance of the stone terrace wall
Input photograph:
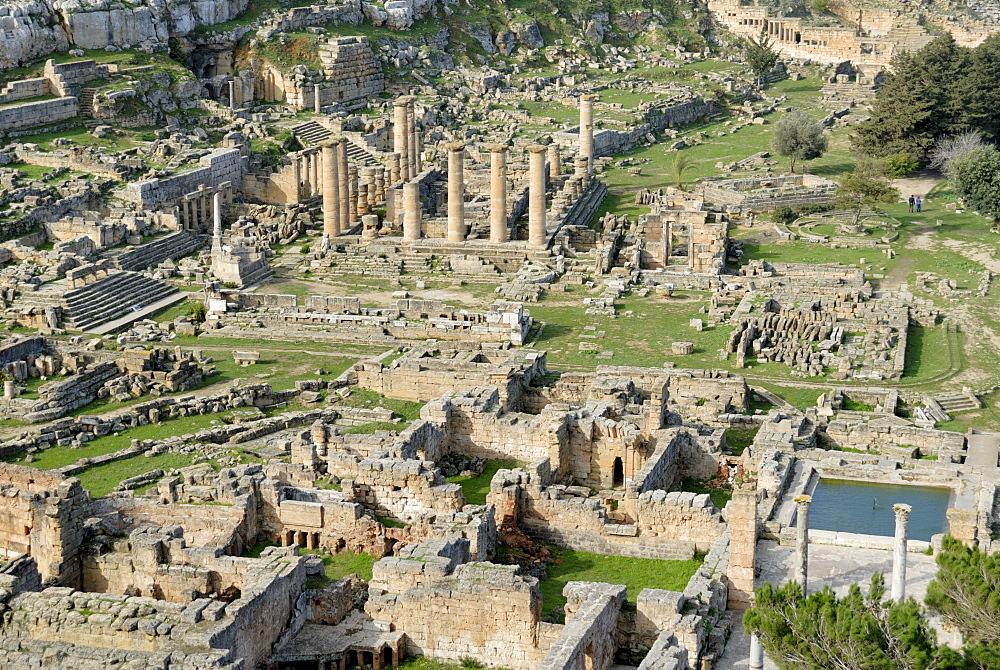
x,y
32,114
23,89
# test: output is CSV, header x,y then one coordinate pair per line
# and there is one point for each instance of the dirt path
x,y
919,183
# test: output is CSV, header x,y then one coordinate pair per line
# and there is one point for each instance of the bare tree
x,y
947,149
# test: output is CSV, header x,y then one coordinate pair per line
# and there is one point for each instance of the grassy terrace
x,y
476,488
635,573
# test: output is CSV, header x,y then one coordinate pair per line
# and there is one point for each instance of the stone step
x,y
311,133
112,298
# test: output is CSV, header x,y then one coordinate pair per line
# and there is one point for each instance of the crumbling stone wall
x,y
41,517
450,610
587,639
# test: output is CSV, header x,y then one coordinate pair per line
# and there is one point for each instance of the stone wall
x,y
41,518
896,439
587,639
450,611
32,114
222,165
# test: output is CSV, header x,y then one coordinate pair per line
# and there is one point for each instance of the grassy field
x,y
476,488
643,338
635,573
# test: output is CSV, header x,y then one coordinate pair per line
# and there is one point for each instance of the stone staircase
x,y
311,133
360,155
115,300
173,246
956,401
908,35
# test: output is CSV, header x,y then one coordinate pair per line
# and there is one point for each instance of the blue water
x,y
864,507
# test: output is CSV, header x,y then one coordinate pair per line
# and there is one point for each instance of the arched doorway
x,y
617,473
209,91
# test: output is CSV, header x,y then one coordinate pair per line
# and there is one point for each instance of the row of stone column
x,y
412,210
306,170
194,210
406,139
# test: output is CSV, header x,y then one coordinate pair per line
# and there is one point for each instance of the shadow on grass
x,y
551,331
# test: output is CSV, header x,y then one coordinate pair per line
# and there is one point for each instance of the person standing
x,y
919,203
912,201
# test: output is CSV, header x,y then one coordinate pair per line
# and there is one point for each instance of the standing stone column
x,y
379,185
352,189
411,130
456,192
317,105
394,168
587,130
741,513
418,150
232,94
802,542
899,552
345,192
316,188
331,190
217,222
297,177
411,210
498,193
555,167
536,195
756,654
580,170
400,138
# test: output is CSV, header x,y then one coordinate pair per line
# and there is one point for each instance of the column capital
x,y
537,148
401,101
455,146
589,97
802,500
901,510
495,148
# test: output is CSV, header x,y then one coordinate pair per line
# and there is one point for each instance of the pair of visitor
x,y
915,202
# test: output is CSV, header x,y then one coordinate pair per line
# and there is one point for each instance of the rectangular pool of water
x,y
864,507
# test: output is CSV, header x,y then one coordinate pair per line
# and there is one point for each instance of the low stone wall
x,y
32,114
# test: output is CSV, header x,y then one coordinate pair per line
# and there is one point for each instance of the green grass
x,y
338,566
102,480
365,399
476,488
643,339
738,439
635,573
720,496
800,398
57,457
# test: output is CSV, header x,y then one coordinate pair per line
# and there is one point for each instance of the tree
x,y
683,162
865,186
798,137
856,632
760,55
975,176
966,592
921,99
948,148
899,165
